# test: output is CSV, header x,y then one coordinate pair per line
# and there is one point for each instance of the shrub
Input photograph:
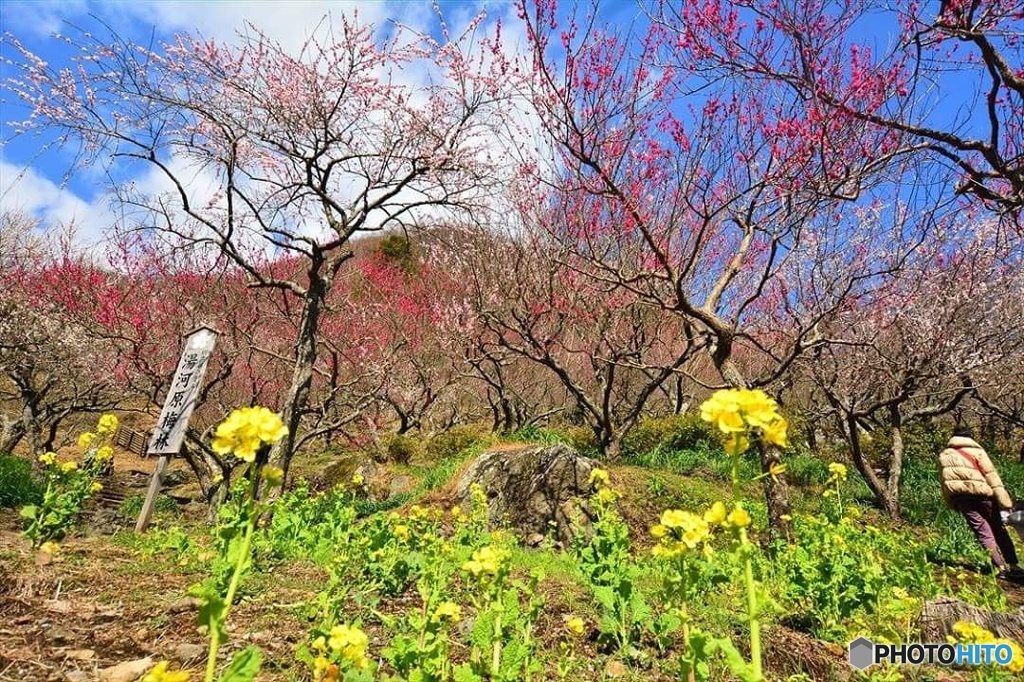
x,y
17,485
677,432
455,441
533,433
401,449
131,506
581,439
805,469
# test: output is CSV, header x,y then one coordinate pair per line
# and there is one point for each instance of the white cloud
x,y
290,23
24,190
39,17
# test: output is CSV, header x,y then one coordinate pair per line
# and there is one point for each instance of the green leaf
x,y
464,673
737,664
29,511
244,666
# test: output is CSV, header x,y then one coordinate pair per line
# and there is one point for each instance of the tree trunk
x,y
33,430
207,467
302,373
613,450
892,493
888,501
608,441
811,434
776,494
14,431
939,615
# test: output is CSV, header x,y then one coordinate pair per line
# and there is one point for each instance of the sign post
x,y
178,405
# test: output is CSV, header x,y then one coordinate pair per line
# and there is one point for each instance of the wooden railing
x,y
132,441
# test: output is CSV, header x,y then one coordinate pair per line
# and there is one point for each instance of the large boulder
x,y
536,490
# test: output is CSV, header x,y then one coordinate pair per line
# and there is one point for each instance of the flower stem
x,y
736,494
752,610
496,653
211,660
684,614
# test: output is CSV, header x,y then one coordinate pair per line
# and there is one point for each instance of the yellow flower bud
x,y
739,518
575,625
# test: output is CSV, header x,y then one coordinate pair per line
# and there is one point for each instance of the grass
x,y
18,485
687,478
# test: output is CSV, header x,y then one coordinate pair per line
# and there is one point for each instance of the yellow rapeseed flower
x,y
739,518
606,495
104,453
401,532
49,459
159,673
95,487
736,410
972,633
758,409
350,643
598,478
680,531
417,512
49,547
486,561
837,470
675,518
358,480
107,424
722,410
273,475
775,433
86,439
69,466
449,610
575,625
320,644
736,445
716,514
245,430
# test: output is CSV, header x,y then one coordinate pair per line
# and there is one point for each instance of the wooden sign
x,y
169,433
181,398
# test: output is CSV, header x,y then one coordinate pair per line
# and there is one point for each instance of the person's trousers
x,y
982,516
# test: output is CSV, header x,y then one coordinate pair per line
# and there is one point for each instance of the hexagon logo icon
x,y
862,653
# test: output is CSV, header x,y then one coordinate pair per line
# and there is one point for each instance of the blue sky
x,y
31,173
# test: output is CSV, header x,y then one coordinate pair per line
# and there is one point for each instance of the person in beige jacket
x,y
971,485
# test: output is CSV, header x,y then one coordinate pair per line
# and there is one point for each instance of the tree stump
x,y
939,615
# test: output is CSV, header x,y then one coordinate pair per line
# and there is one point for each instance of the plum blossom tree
x,y
265,154
749,213
53,366
608,351
946,88
917,348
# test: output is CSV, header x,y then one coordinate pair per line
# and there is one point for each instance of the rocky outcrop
x,y
536,490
